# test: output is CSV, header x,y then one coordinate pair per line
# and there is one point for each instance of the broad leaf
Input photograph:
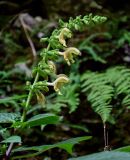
x,y
108,155
9,117
66,145
12,139
42,119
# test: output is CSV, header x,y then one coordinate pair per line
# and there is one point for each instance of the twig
x,y
105,137
106,140
28,38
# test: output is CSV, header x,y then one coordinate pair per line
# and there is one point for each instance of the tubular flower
x,y
59,82
68,54
65,33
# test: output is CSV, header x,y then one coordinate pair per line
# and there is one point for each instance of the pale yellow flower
x,y
59,82
69,53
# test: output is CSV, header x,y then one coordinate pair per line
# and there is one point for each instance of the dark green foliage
x,y
11,100
94,50
10,45
65,100
109,155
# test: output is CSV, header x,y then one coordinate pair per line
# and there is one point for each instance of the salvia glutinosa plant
x,y
44,72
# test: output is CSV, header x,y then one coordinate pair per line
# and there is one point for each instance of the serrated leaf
x,y
12,139
9,117
42,119
108,155
66,145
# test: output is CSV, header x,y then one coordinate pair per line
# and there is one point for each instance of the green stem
x,y
29,98
30,94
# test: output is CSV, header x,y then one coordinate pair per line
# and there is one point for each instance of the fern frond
x,y
99,92
70,99
101,88
126,101
120,77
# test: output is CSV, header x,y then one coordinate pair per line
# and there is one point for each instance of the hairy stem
x,y
29,98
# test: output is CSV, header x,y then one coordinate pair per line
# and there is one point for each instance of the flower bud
x,y
41,98
52,66
65,33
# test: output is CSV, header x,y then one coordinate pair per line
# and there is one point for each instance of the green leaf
x,y
66,145
108,155
42,119
9,117
12,139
